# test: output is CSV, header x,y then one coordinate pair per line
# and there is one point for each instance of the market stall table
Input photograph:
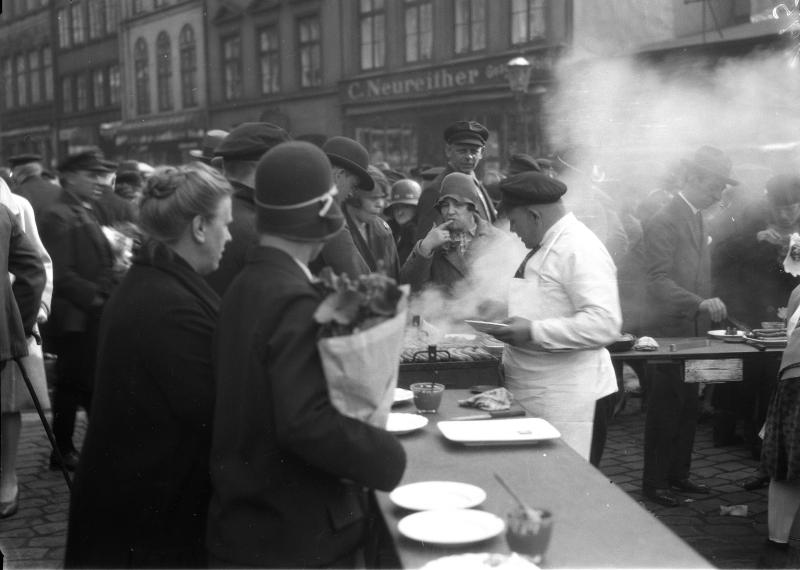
x,y
597,525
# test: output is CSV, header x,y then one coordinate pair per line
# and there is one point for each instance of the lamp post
x,y
519,75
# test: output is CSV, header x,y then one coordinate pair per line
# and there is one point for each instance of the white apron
x,y
561,387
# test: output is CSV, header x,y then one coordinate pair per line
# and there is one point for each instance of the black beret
x,y
530,187
90,160
470,132
249,141
521,162
21,159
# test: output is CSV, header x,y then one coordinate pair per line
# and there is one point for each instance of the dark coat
x,y
243,236
677,259
429,216
404,238
142,487
19,304
377,248
281,452
40,193
341,254
112,209
82,263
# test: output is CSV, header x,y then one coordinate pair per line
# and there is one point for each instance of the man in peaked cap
x,y
240,152
29,182
290,473
564,309
465,142
83,280
444,257
349,163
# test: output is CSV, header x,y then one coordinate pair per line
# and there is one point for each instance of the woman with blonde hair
x,y
142,486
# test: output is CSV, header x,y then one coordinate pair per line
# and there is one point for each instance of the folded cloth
x,y
490,401
645,343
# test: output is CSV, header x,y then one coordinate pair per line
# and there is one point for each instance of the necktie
x,y
520,274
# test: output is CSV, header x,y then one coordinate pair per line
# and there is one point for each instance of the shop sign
x,y
443,79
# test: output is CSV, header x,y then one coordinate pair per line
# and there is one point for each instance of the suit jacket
x,y
142,487
82,263
288,469
243,236
429,216
378,247
39,192
19,304
678,271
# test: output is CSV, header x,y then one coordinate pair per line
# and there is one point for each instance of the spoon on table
x,y
532,513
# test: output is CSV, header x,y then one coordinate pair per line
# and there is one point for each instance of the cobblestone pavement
x,y
34,537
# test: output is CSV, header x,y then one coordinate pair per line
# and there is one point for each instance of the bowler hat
x,y
350,155
249,141
21,159
404,191
211,141
467,132
294,193
459,187
711,160
530,187
90,160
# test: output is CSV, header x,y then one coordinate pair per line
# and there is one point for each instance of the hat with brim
x,y
711,160
405,192
294,193
21,159
90,161
466,132
460,188
249,141
350,155
211,140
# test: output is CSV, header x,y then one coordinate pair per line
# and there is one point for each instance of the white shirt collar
x,y
688,203
304,268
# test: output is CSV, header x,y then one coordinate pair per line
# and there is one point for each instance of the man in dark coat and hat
x,y
26,170
290,473
240,151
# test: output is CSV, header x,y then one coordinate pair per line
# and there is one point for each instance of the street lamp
x,y
519,75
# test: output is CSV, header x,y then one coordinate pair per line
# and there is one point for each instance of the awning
x,y
161,128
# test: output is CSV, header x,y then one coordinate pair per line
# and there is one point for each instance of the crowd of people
x,y
179,301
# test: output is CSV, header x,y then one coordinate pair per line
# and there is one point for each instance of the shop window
x,y
527,21
373,33
66,94
310,51
97,19
142,74
470,25
99,88
419,30
78,29
396,146
232,65
64,30
269,60
164,72
188,48
8,83
81,93
22,80
34,70
47,73
114,85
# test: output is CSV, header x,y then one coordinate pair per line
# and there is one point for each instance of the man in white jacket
x,y
563,308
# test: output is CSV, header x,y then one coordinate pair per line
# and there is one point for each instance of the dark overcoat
x,y
19,304
676,257
40,193
288,470
341,255
377,248
142,486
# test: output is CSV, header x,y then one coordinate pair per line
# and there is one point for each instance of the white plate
x,y
402,395
451,526
429,495
511,430
405,423
486,326
721,335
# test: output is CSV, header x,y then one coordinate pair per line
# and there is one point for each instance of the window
x,y
527,21
22,80
142,75
98,88
373,34
47,73
164,72
114,85
34,69
78,30
269,60
310,52
232,66
81,93
419,30
112,16
138,6
66,94
97,19
8,83
470,25
188,49
64,32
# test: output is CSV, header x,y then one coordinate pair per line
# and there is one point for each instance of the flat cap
x,y
521,162
466,132
21,159
249,141
530,187
90,160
